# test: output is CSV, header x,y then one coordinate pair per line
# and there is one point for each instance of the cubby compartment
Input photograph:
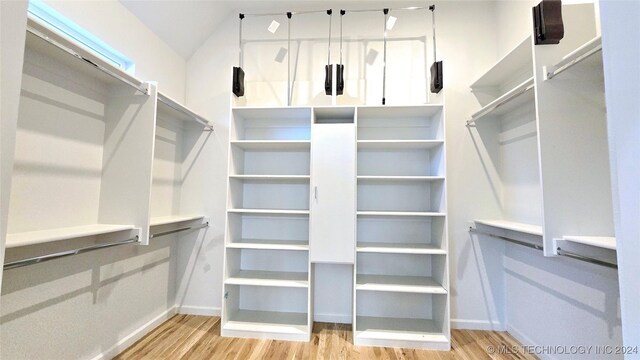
x,y
83,150
405,123
270,124
388,160
264,194
415,320
399,195
401,235
251,231
334,115
274,161
277,268
254,311
401,272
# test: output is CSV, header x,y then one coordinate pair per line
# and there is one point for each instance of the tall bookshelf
x,y
401,274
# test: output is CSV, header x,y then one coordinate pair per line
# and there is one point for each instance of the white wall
x,y
476,271
621,52
95,304
111,22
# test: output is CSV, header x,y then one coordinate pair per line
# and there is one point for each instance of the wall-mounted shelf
x,y
513,99
582,53
410,284
604,242
168,107
269,278
68,233
174,219
512,226
518,60
398,144
399,248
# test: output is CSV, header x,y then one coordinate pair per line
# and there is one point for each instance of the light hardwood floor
x,y
198,337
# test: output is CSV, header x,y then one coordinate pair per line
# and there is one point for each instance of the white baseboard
x,y
525,340
333,318
198,310
464,324
128,340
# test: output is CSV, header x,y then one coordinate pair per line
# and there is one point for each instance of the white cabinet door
x,y
333,193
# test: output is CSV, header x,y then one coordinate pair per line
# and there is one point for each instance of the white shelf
x,y
409,284
269,245
174,219
45,236
512,226
604,242
577,56
398,248
301,178
513,62
400,213
515,98
272,144
398,329
268,322
269,211
175,110
269,278
399,178
398,144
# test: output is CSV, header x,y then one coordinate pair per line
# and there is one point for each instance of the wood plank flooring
x,y
198,337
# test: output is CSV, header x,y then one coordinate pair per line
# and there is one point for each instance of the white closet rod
x,y
43,258
193,116
539,247
140,87
163,233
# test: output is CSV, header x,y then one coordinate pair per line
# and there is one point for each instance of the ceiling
x,y
185,24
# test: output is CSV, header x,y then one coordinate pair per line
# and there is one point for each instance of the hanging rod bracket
x,y
342,12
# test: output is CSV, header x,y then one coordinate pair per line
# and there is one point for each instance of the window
x,y
58,21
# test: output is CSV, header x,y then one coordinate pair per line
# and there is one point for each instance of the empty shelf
x,y
269,278
515,98
268,322
173,219
167,107
511,64
410,284
383,328
512,226
604,242
300,178
397,248
269,211
44,236
399,178
269,244
577,56
399,213
272,144
398,144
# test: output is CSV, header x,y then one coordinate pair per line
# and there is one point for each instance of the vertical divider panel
x,y
125,193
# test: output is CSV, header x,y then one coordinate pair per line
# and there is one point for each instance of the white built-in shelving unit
x,y
548,124
267,269
401,229
84,153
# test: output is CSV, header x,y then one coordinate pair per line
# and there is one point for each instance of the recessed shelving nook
x,y
358,186
401,228
83,149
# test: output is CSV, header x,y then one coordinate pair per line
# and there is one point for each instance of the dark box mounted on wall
x,y
547,22
328,75
238,81
436,77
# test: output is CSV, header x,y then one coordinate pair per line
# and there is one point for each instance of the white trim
x,y
333,318
525,340
136,335
198,310
466,324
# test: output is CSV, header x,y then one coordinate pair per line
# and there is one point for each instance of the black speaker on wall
x,y
238,81
547,22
